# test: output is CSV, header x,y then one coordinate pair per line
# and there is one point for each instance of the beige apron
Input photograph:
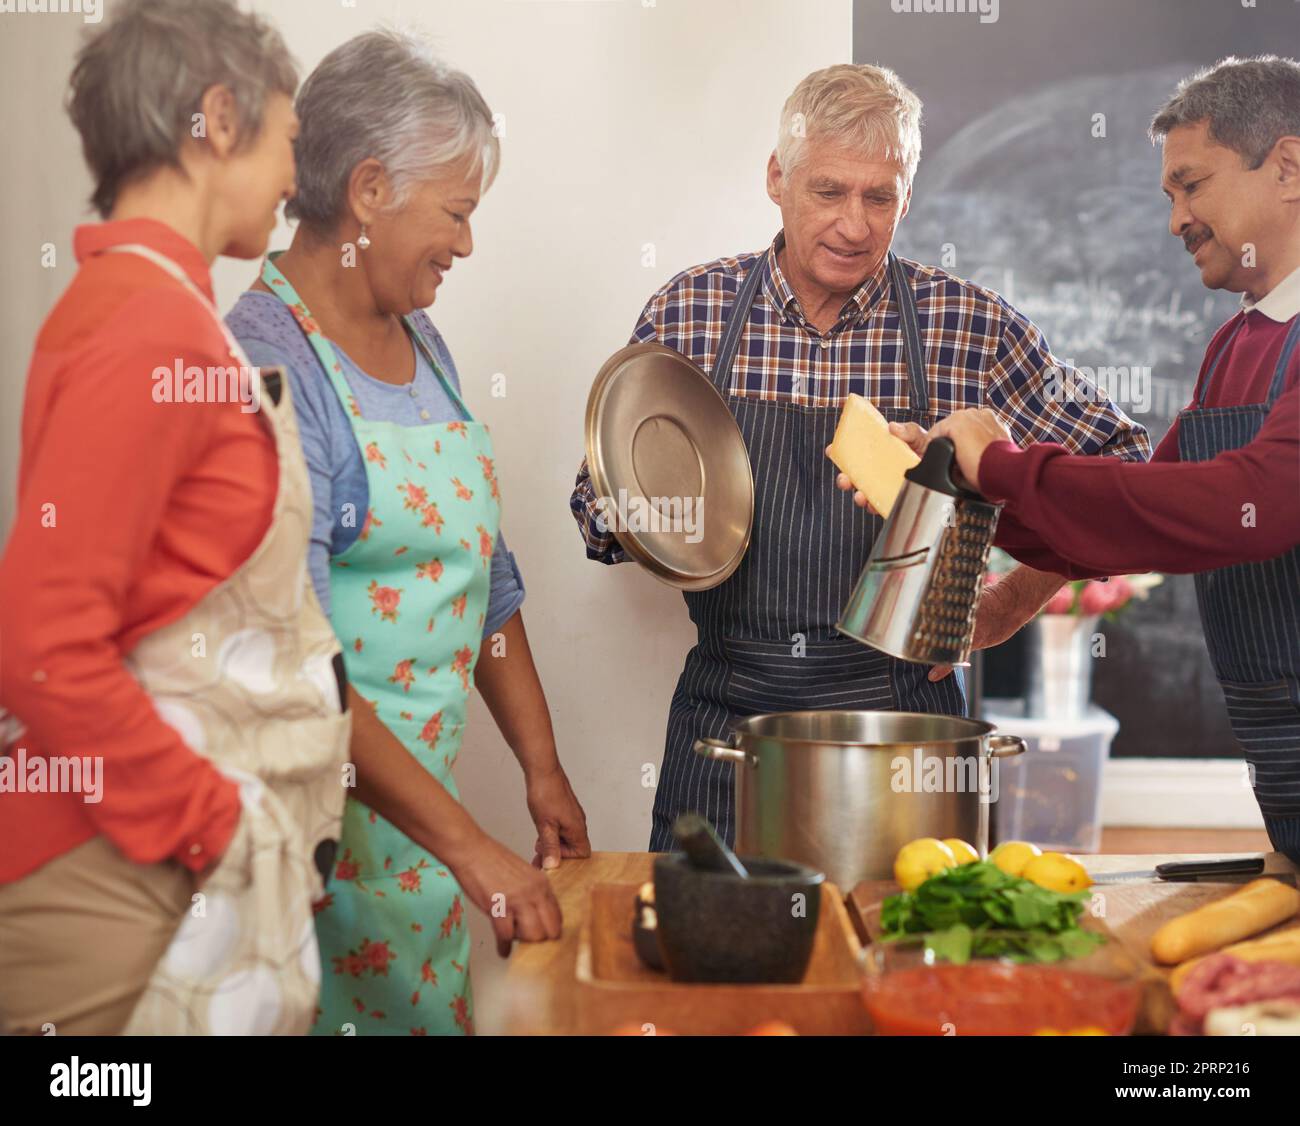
x,y
248,679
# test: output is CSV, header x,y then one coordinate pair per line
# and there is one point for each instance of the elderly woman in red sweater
x,y
177,744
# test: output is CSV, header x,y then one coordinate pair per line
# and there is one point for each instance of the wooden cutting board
x,y
1137,911
614,991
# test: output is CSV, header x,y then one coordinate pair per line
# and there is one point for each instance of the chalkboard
x,y
1037,180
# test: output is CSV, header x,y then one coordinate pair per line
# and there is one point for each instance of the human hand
x,y
559,817
516,897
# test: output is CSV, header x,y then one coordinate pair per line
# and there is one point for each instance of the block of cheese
x,y
872,457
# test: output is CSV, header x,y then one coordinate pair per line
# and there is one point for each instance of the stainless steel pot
x,y
844,791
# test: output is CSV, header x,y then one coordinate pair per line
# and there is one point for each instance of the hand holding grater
x,y
917,596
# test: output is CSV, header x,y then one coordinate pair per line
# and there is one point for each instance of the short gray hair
x,y
384,95
865,106
1250,105
138,82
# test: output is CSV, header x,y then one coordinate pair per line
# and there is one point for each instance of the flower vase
x,y
1060,666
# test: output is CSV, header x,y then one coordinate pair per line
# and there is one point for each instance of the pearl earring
x,y
363,240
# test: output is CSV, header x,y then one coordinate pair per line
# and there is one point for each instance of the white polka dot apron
x,y
251,678
409,599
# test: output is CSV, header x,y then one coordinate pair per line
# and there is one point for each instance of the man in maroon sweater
x,y
1220,498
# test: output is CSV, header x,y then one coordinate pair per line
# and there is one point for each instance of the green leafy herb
x,y
978,911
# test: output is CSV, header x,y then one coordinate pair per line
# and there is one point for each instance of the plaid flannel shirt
x,y
979,351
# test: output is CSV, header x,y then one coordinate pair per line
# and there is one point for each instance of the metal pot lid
x,y
665,453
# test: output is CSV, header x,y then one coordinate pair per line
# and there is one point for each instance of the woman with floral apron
x,y
408,603
394,152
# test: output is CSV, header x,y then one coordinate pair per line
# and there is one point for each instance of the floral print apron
x,y
409,600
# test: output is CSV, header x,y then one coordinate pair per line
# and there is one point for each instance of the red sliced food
x,y
1223,981
995,999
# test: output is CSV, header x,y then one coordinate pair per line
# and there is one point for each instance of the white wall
x,y
625,124
43,190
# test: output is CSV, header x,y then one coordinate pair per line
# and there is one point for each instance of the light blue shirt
x,y
269,334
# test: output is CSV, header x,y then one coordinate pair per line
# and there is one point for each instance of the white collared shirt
x,y
1280,303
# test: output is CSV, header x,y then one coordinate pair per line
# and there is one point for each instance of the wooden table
x,y
541,976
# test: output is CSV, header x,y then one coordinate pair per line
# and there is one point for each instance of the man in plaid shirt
x,y
828,311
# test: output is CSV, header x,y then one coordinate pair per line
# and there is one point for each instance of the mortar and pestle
x,y
724,919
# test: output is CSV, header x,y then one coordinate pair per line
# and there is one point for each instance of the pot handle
x,y
719,751
1005,746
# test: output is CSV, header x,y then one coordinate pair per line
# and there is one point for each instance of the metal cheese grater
x,y
919,591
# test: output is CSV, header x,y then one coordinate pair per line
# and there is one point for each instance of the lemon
x,y
1057,872
918,860
965,853
1012,856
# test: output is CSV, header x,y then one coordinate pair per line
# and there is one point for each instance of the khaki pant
x,y
80,937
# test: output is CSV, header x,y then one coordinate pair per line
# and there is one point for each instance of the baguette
x,y
1256,907
1284,946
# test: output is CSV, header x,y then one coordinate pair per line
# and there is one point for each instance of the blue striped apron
x,y
766,637
1251,616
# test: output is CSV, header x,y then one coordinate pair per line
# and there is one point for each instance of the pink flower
x,y
490,475
352,964
376,955
1061,601
431,730
301,315
1094,598
453,919
403,675
460,665
385,600
416,495
1102,598
1121,592
432,518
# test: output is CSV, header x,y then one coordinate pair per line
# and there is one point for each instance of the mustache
x,y
1193,238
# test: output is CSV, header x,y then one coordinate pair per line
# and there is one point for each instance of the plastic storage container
x,y
1051,795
